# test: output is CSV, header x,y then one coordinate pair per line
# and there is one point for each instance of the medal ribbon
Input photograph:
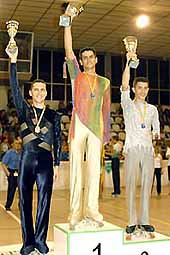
x,y
36,116
142,115
91,85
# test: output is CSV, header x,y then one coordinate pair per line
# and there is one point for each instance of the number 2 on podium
x,y
98,247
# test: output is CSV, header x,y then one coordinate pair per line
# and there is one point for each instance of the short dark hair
x,y
35,81
140,79
86,49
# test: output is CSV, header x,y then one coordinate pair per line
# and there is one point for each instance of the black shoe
x,y
147,228
130,229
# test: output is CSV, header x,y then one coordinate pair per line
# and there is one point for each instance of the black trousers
x,y
116,175
36,167
157,173
12,186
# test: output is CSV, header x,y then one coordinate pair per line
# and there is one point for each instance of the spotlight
x,y
142,21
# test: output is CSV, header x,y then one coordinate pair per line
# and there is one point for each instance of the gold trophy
x,y
131,46
12,27
71,11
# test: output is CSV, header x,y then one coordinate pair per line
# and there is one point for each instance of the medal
x,y
37,129
92,86
92,95
142,115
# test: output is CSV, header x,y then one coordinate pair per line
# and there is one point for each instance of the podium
x,y
107,240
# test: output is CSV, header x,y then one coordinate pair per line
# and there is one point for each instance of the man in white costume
x,y
141,126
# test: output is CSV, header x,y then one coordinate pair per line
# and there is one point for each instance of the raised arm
x,y
68,45
126,72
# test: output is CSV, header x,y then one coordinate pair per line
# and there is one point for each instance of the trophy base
x,y
65,21
134,63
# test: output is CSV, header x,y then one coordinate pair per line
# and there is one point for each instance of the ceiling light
x,y
142,21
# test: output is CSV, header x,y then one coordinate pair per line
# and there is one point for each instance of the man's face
x,y
16,145
88,60
141,90
38,92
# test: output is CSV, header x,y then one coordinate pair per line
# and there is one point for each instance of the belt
x,y
12,170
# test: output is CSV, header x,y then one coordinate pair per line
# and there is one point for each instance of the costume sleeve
x,y
73,68
57,139
126,101
156,123
19,101
106,113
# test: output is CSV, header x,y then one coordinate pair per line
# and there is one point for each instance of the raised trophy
x,y
12,28
71,11
131,46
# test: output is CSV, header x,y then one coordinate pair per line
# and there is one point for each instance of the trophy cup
x,y
12,27
131,45
71,11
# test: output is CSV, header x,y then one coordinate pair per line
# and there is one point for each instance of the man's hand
x,y
69,13
130,55
12,53
56,173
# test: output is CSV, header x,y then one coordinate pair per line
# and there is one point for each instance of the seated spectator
x,y
64,149
4,146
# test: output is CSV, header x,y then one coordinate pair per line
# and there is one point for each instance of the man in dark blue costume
x,y
40,131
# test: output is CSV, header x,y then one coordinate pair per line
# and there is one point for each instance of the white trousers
x,y
139,159
84,203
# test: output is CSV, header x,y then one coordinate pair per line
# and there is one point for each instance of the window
x,y
58,92
141,69
100,65
116,69
45,65
153,73
34,66
165,97
164,75
153,97
115,95
58,60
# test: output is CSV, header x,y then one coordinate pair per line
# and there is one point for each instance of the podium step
x,y
107,240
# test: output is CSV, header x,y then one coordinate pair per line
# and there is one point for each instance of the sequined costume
x,y
89,129
36,166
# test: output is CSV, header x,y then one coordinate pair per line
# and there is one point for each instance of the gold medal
x,y
37,129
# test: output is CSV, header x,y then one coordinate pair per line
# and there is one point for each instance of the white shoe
x,y
33,253
37,252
